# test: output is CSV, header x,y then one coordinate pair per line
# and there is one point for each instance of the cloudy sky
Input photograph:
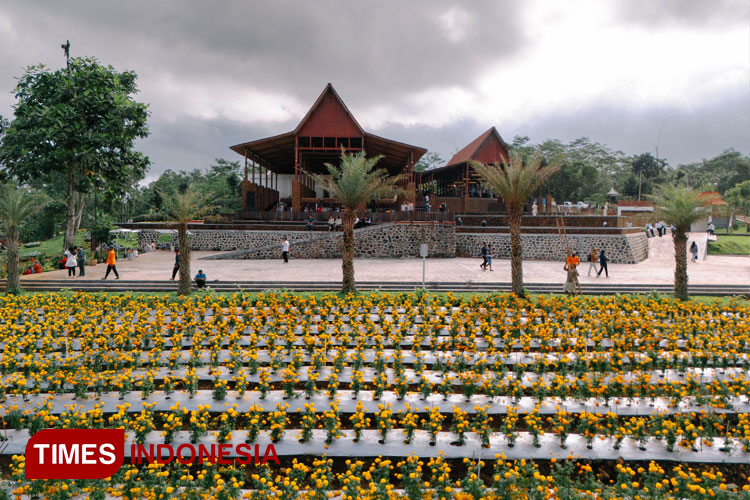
x,y
433,73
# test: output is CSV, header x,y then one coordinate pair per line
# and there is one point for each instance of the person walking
x,y
285,250
593,258
483,265
111,263
694,252
81,257
603,264
177,258
71,263
489,256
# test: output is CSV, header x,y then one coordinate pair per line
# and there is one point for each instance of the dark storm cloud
x,y
694,13
375,53
377,49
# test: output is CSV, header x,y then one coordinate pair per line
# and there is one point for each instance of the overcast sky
x,y
432,73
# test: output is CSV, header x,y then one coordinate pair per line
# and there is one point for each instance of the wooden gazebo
x,y
457,184
327,127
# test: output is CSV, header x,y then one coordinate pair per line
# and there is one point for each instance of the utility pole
x,y
66,48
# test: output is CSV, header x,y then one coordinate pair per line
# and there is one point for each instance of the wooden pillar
x,y
246,164
252,162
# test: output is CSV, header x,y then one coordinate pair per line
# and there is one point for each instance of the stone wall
x,y
620,248
397,240
401,240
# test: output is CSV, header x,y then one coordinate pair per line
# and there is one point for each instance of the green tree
x,y
78,124
739,199
355,182
680,207
645,166
220,182
429,160
515,181
16,206
183,207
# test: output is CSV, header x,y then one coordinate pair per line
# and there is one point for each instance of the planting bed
x,y
387,396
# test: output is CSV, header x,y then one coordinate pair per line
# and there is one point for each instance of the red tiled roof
x,y
712,198
470,151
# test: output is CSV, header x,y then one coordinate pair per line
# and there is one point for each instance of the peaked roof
x,y
326,91
327,117
474,148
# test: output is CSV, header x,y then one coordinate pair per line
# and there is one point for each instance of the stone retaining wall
x,y
401,240
620,248
381,241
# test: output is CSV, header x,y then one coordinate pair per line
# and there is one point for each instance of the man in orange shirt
x,y
111,260
573,260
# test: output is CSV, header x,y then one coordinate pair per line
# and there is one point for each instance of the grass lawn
x,y
740,229
52,247
730,245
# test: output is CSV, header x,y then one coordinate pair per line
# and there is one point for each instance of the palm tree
x,y
355,183
514,182
680,207
183,207
16,205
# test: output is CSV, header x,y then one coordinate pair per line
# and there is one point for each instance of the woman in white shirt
x,y
71,263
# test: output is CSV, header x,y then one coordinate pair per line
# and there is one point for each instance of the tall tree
x,y
16,206
515,181
78,124
680,207
183,207
355,182
646,167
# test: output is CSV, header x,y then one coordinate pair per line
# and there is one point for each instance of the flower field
x,y
387,395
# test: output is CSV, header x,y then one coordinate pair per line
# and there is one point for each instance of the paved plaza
x,y
657,269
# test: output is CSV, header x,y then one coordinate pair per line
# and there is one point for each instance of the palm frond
x,y
356,180
679,206
17,205
515,180
182,207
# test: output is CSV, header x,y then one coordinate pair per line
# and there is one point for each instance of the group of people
x,y
335,224
34,267
660,227
74,257
572,286
200,278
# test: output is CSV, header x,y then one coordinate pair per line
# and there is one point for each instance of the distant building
x,y
634,207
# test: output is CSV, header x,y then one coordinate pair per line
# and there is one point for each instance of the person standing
x,y
285,250
71,263
177,258
593,258
81,256
694,252
111,264
603,264
571,278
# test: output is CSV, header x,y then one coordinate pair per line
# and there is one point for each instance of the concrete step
x,y
171,286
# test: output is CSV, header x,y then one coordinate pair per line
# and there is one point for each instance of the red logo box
x,y
74,453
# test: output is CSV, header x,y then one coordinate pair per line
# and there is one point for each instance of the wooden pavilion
x,y
278,168
457,183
